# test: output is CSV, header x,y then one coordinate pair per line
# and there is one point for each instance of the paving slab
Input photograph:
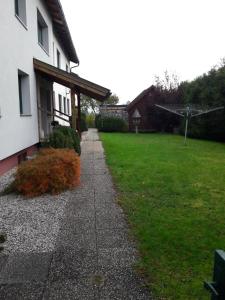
x,y
110,220
23,267
71,290
123,284
116,258
22,291
72,264
113,238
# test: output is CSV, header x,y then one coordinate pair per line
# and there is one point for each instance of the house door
x,y
46,112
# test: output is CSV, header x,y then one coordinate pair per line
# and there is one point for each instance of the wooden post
x,y
73,110
78,114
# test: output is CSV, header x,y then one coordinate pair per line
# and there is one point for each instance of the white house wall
x,y
18,47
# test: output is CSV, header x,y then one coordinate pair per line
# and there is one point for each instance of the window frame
x,y
64,105
18,15
68,106
58,58
16,7
24,93
20,93
42,32
60,103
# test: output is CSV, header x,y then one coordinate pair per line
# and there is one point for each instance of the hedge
x,y
64,137
111,124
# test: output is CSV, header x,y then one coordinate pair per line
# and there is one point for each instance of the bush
x,y
207,91
58,140
52,171
111,124
64,137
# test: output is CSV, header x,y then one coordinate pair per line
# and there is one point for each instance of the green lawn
x,y
174,197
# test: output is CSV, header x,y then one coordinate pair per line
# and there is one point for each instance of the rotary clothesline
x,y
188,112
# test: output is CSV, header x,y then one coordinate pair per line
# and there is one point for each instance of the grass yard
x,y
174,197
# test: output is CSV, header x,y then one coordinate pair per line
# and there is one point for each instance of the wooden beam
x,y
71,80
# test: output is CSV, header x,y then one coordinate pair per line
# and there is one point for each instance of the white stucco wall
x,y
18,47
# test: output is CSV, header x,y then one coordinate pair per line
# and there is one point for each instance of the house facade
x,y
36,83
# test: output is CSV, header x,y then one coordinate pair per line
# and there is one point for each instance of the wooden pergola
x,y
76,84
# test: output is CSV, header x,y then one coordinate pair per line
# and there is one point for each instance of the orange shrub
x,y
52,171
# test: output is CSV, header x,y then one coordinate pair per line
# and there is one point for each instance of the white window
x,y
64,103
20,11
58,59
24,93
53,99
42,32
68,106
60,103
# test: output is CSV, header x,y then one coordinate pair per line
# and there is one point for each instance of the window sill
x,y
24,115
21,21
42,47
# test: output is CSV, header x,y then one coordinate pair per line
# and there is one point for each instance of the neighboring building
x,y
36,50
144,104
151,117
110,110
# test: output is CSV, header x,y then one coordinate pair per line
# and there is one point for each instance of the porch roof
x,y
72,81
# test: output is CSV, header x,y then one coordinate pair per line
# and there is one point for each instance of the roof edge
x,y
62,28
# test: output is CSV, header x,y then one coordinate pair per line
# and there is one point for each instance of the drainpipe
x,y
74,67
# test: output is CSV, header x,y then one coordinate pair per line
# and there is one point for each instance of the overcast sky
x,y
122,44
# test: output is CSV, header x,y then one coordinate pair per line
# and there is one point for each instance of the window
x,y
24,93
64,102
20,11
17,7
53,99
68,106
58,59
42,32
60,103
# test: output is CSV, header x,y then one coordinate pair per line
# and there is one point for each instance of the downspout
x,y
74,67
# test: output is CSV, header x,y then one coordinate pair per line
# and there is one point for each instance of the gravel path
x,y
89,257
31,225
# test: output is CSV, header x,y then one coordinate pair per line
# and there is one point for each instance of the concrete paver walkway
x,y
93,257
